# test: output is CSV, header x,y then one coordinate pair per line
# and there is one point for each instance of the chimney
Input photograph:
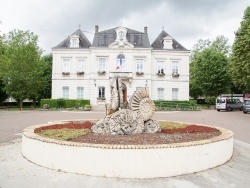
x,y
146,30
96,28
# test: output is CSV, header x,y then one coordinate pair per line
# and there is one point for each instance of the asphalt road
x,y
13,122
17,172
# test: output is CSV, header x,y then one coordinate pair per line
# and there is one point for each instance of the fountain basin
x,y
127,161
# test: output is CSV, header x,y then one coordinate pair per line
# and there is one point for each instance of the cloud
x,y
185,20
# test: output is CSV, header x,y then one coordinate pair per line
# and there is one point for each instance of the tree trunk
x,y
21,105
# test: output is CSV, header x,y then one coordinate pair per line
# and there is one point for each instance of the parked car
x,y
223,103
246,106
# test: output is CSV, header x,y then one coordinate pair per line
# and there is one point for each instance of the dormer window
x,y
167,42
74,41
121,33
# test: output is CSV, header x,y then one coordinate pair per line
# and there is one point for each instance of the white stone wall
x,y
127,161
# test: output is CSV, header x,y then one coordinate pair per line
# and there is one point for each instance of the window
x,y
160,67
160,93
175,93
80,92
65,92
101,93
167,43
120,63
102,65
247,102
66,65
74,41
175,68
80,66
139,66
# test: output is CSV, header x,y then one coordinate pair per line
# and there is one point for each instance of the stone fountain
x,y
132,117
127,161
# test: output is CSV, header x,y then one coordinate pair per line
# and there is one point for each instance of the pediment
x,y
167,38
121,44
74,36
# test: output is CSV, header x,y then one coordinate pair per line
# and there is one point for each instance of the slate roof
x,y
158,45
104,38
84,42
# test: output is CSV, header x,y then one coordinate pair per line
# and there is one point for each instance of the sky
x,y
187,21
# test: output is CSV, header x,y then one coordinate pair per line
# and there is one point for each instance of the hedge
x,y
65,103
176,105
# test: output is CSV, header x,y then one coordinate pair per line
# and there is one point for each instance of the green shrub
x,y
61,103
64,103
176,105
162,103
210,100
87,106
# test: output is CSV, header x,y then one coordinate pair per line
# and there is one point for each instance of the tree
x,y
209,68
240,59
3,94
22,70
47,61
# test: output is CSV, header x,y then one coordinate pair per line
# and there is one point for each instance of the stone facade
x,y
83,70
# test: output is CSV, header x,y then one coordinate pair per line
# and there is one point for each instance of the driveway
x,y
12,123
17,172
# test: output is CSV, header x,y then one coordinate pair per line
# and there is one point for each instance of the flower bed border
x,y
146,161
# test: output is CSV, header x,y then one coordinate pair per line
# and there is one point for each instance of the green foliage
x,y
172,125
61,103
176,105
159,102
210,100
64,103
240,59
47,62
3,94
63,134
87,106
209,68
21,68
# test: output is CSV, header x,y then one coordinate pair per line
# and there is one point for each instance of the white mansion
x,y
82,70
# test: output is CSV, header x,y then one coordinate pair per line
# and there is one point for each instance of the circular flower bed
x,y
169,134
178,149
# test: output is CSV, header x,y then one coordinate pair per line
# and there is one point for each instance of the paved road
x,y
12,123
17,172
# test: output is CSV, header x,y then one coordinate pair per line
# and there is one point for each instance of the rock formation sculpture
x,y
134,120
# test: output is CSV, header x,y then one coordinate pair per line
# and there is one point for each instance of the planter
x,y
127,161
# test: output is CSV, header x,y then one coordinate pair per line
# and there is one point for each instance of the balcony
x,y
139,73
122,75
175,75
161,74
80,73
65,73
101,72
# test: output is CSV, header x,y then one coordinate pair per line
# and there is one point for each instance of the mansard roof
x,y
104,38
158,43
83,43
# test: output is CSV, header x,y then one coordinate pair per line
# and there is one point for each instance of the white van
x,y
223,103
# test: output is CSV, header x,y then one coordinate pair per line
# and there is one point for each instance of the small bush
x,y
64,103
61,103
87,106
210,100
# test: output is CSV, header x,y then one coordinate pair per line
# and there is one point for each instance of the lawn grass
x,y
63,134
67,134
171,125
